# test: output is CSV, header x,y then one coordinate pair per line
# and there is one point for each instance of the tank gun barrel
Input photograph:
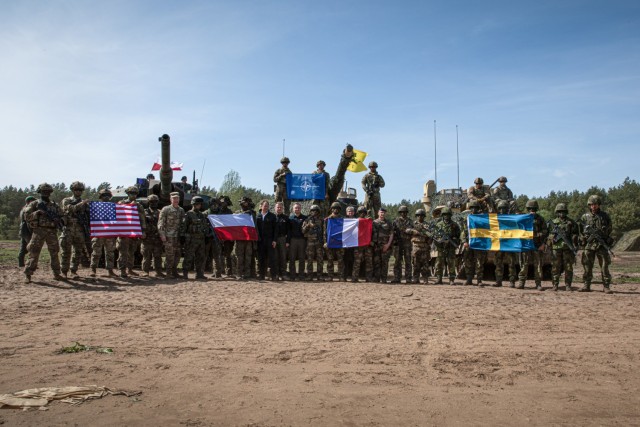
x,y
166,173
337,181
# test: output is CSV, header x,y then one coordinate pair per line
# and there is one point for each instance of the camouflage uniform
x,y
540,234
323,204
44,220
171,227
372,182
503,193
420,247
480,195
24,232
563,256
509,258
98,243
446,240
76,219
213,246
382,230
334,255
312,229
473,259
196,229
363,253
402,248
244,248
128,245
227,245
280,178
593,225
152,245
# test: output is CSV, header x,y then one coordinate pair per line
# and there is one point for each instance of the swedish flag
x,y
501,232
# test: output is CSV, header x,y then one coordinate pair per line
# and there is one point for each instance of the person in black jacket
x,y
266,225
283,239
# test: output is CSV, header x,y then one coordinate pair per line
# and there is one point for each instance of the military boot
x,y
93,272
438,280
21,262
174,273
520,285
74,275
123,274
607,289
469,281
538,286
395,280
585,288
145,274
415,280
568,287
554,287
27,278
58,276
480,284
111,273
64,274
159,275
512,284
185,274
498,284
131,272
452,281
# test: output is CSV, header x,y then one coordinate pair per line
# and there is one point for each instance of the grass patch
x,y
9,253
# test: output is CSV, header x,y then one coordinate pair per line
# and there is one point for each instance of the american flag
x,y
111,220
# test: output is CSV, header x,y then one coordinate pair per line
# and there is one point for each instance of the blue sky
x,y
546,92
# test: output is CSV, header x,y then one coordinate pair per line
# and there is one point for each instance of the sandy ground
x,y
262,354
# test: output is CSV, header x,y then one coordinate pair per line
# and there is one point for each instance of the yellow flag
x,y
357,162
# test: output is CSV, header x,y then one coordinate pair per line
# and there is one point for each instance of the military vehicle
x,y
164,186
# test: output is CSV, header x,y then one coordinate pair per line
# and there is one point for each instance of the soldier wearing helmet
x,y
447,239
152,245
213,247
244,249
25,231
280,178
312,228
44,218
473,259
563,238
196,231
128,245
75,241
540,234
502,257
421,235
402,245
335,256
186,187
382,241
372,182
106,243
171,231
480,193
297,245
227,245
322,204
595,237
362,255
502,192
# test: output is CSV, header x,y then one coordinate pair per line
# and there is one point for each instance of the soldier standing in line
x,y
244,248
349,252
44,217
25,231
474,259
563,236
334,255
402,245
312,230
446,239
363,253
152,245
502,192
75,231
227,245
595,237
540,234
383,239
322,204
266,226
372,182
421,235
502,256
108,243
280,178
283,240
213,246
481,195
127,245
196,229
170,229
298,245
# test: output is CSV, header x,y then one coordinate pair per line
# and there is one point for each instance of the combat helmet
x,y
197,199
561,207
502,179
153,198
403,208
478,180
532,204
226,200
321,162
445,211
76,185
29,199
44,188
105,192
361,209
594,199
131,190
245,199
373,164
315,208
421,212
336,205
285,160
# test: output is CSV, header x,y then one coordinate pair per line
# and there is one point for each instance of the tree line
x,y
622,202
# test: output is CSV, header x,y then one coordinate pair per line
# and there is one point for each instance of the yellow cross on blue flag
x,y
501,232
357,161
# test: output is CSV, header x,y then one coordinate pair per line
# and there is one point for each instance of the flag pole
x,y
458,156
282,147
435,154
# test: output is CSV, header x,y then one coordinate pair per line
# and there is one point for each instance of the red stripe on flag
x,y
365,228
236,233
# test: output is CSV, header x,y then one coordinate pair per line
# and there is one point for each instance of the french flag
x,y
234,226
348,232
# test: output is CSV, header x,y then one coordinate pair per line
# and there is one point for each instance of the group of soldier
x,y
293,246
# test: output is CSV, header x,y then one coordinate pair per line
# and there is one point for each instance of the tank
x,y
164,186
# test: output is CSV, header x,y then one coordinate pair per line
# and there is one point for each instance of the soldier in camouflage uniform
x,y
98,243
323,204
280,178
25,231
334,255
76,230
227,246
44,217
501,256
480,194
563,236
382,241
372,182
170,229
502,192
213,246
152,245
420,247
196,229
363,253
312,230
446,237
473,259
540,234
595,237
128,245
402,245
245,248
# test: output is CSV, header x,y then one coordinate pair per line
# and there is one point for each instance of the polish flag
x,y
348,232
174,166
234,226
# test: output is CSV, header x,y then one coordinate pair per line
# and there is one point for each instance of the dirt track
x,y
228,353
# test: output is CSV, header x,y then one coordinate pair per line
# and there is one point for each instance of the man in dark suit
x,y
266,225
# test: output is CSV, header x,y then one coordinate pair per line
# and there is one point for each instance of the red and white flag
x,y
234,226
174,166
107,219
